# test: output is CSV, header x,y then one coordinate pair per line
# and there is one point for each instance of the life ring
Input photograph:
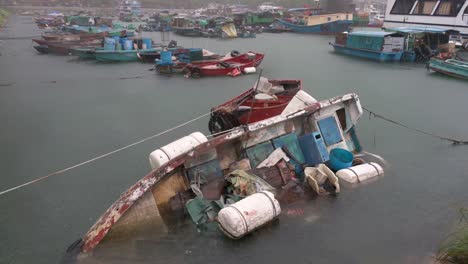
x,y
235,53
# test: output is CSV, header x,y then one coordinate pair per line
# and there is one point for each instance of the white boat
x,y
451,14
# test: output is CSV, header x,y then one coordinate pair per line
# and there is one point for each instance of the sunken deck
x,y
143,210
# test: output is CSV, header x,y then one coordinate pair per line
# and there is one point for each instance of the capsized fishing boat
x,y
450,67
226,66
266,99
374,45
202,177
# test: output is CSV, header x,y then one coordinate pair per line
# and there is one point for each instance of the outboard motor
x,y
172,44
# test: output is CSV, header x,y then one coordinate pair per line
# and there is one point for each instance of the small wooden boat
x,y
42,48
86,53
450,67
266,99
64,48
226,66
374,45
64,37
150,209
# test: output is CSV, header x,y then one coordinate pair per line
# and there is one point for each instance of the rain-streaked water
x,y
57,112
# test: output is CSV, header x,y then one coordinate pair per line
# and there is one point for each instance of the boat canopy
x,y
418,30
370,40
374,34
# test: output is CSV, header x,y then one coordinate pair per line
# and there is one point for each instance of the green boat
x,y
118,55
86,53
454,68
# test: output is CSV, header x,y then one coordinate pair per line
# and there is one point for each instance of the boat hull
x,y
450,69
368,54
117,55
326,28
188,32
240,63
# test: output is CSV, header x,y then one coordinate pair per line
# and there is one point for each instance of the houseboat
x,y
320,24
435,14
374,45
422,43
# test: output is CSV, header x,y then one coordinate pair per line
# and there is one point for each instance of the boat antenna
x,y
253,92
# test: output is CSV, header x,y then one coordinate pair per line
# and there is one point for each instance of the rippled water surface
x,y
56,111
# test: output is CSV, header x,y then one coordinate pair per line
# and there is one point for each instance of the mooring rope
x,y
103,155
371,113
453,141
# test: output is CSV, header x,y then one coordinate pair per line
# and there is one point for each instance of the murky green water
x,y
56,112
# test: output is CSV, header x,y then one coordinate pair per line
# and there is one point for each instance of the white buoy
x,y
243,217
250,70
360,173
163,155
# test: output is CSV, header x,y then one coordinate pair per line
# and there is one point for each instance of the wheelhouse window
x,y
424,7
449,7
402,7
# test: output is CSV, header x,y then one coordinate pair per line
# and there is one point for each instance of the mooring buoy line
x,y
103,155
453,141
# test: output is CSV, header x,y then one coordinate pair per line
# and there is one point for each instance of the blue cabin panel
x,y
314,149
259,153
330,130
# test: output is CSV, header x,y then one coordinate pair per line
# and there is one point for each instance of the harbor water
x,y
57,111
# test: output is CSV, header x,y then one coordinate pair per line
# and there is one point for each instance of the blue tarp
x,y
371,33
415,30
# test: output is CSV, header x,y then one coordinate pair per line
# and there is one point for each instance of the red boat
x,y
266,99
225,66
64,48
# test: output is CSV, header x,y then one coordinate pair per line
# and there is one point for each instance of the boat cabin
x,y
421,43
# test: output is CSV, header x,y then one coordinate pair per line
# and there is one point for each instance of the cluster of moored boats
x,y
170,58
437,47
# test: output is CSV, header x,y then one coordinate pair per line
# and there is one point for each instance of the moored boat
x,y
64,48
148,210
118,55
321,24
374,45
450,67
266,99
226,66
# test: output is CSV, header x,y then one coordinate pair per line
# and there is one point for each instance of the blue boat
x,y
118,55
421,43
321,24
450,67
374,45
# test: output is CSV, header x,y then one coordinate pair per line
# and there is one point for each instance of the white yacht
x,y
428,13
